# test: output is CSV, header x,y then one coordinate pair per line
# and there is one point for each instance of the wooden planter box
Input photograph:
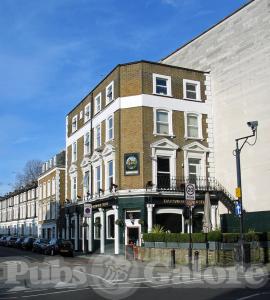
x,y
199,246
227,246
213,245
149,244
184,245
172,245
160,245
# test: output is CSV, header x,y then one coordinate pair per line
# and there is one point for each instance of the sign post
x,y
87,211
190,197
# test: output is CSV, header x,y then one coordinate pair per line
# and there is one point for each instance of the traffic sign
x,y
87,210
190,191
238,208
238,192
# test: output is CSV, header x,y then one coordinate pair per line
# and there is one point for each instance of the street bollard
x,y
196,261
173,258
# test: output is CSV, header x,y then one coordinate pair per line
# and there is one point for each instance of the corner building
x,y
131,145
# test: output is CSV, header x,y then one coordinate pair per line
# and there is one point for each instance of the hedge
x,y
213,236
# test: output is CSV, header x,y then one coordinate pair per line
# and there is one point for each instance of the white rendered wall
x,y
237,52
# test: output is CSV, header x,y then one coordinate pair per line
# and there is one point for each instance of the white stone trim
x,y
152,101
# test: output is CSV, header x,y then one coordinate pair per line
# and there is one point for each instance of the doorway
x,y
132,235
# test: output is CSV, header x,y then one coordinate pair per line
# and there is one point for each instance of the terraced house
x,y
18,212
131,145
51,184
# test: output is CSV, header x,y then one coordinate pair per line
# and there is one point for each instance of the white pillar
x,y
90,233
76,237
102,231
116,230
150,216
67,227
214,216
183,223
83,235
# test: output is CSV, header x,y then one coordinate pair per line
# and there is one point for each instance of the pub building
x,y
131,146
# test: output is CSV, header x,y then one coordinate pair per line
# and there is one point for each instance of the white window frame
x,y
48,188
74,190
87,112
96,190
98,108
170,127
109,213
74,128
198,89
44,194
169,84
53,186
74,153
89,182
96,136
111,84
199,120
108,128
86,149
81,115
196,155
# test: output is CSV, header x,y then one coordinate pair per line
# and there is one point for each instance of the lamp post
x,y
253,125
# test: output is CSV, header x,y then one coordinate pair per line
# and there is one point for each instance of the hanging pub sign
x,y
132,163
87,210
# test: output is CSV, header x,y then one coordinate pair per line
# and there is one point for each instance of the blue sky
x,y
53,52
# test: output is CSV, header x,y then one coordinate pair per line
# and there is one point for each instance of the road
x,y
24,274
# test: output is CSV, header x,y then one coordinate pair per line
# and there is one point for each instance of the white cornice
x,y
152,101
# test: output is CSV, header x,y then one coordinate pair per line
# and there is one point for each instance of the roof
x,y
20,190
133,63
212,27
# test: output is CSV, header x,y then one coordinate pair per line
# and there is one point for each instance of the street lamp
x,y
253,125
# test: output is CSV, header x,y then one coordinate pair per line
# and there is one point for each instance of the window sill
x,y
192,138
162,95
194,100
109,102
164,134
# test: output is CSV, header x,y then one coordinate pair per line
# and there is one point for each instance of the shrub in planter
x,y
251,237
182,238
230,237
160,237
214,236
198,237
148,237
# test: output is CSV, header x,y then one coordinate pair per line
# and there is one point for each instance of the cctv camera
x,y
253,125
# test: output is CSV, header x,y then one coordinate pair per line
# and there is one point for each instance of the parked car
x,y
10,241
58,246
27,243
40,245
18,243
2,240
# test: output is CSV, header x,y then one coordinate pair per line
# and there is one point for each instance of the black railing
x,y
174,184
